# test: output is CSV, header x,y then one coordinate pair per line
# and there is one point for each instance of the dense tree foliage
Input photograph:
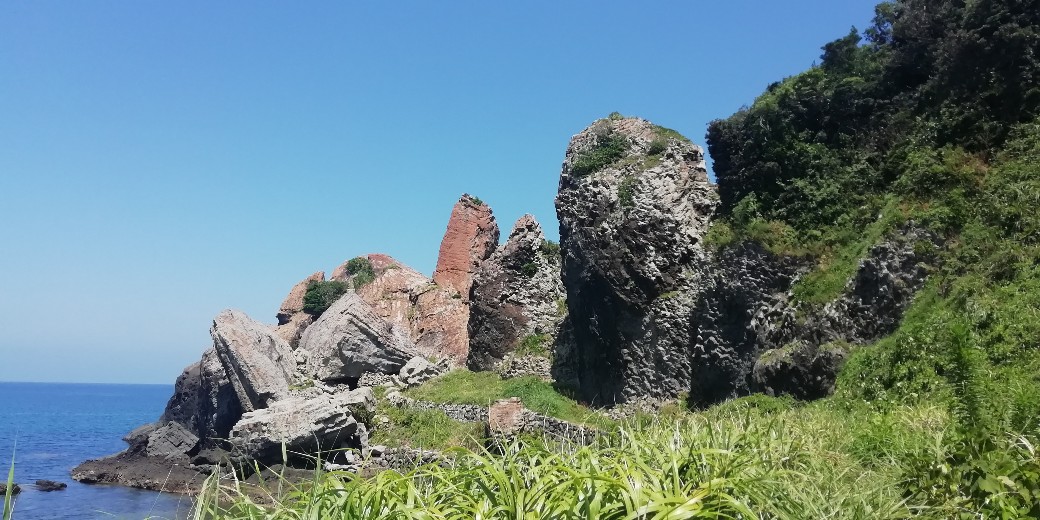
x,y
931,115
817,146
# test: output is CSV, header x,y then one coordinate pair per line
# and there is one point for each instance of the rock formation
x,y
633,265
517,295
291,318
433,317
304,425
471,237
260,365
349,339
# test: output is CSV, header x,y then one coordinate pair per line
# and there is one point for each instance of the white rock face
x,y
350,339
304,425
259,364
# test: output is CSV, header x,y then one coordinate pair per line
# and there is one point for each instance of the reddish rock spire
x,y
471,237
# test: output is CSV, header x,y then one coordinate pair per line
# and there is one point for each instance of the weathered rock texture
x,y
291,318
260,365
633,265
517,293
304,425
471,237
800,370
349,339
293,303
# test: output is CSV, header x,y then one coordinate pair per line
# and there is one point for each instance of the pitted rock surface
x,y
259,364
471,237
350,339
516,293
633,264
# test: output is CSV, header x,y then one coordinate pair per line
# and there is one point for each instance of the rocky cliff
x,y
471,237
517,297
634,203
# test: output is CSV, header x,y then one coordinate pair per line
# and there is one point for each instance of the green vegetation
x,y
425,429
484,388
609,147
626,189
550,249
533,345
476,200
360,269
529,269
321,295
933,119
9,492
657,146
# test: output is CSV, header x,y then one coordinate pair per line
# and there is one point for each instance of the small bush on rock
x,y
360,268
321,295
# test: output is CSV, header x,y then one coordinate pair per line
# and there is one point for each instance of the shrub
x,y
615,116
529,269
626,191
657,146
321,295
608,148
361,272
533,344
550,249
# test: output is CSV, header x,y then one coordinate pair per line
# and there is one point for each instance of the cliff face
x,y
517,297
471,237
655,314
634,203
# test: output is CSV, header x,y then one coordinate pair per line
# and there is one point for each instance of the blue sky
x,y
161,161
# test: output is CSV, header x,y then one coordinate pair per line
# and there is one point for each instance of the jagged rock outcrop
x,y
259,364
203,401
349,339
801,370
304,425
745,281
471,237
634,203
517,294
291,318
417,371
433,317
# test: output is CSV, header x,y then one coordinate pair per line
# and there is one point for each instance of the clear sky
x,y
161,161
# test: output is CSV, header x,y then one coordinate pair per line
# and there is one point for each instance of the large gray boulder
x,y
630,233
204,400
259,364
350,339
304,425
171,440
516,296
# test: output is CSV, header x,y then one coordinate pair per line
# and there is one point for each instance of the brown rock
x,y
430,315
471,237
292,330
293,303
506,417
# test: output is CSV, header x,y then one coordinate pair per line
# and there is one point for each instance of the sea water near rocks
x,y
57,426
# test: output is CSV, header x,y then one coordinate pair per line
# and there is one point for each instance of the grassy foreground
x,y
756,457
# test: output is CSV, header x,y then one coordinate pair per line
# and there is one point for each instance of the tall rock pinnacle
x,y
471,237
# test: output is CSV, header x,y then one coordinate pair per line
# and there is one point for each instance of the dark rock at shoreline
x,y
50,485
15,488
134,469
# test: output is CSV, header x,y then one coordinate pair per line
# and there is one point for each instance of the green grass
x,y
751,459
426,429
484,388
608,148
9,492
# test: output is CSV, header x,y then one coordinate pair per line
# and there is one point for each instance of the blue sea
x,y
56,426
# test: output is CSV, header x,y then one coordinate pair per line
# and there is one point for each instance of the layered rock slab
x,y
259,364
633,265
517,293
305,425
350,339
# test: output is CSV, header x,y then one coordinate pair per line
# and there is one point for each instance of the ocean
x,y
51,427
